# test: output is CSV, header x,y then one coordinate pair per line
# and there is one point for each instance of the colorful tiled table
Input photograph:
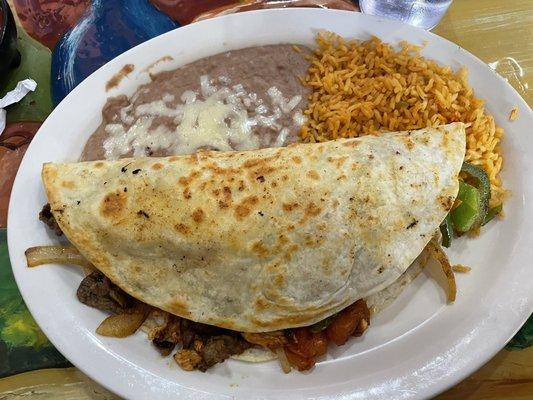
x,y
61,42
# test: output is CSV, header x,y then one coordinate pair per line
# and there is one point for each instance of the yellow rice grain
x,y
363,87
461,268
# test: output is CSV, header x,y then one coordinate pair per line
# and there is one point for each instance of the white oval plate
x,y
414,349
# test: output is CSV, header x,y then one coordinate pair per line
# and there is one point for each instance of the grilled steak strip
x,y
97,291
48,218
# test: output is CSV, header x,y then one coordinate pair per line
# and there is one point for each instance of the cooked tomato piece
x,y
320,343
308,344
301,363
347,321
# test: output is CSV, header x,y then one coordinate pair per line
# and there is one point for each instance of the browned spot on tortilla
x,y
338,161
226,192
157,166
187,193
409,143
173,158
68,184
288,207
274,184
261,304
190,159
178,307
117,78
436,177
335,203
186,180
281,243
278,281
445,141
99,164
285,178
113,204
312,241
322,226
226,200
446,202
241,186
263,171
352,143
243,209
341,177
254,162
220,170
312,210
182,228
259,249
313,175
297,159
282,240
326,265
198,215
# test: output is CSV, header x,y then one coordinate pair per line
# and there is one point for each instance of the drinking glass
x,y
422,13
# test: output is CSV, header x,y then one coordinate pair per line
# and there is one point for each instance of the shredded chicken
x,y
166,337
188,359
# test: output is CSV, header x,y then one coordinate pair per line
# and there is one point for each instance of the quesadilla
x,y
265,240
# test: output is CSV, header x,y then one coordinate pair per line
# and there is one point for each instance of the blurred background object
x,y
47,20
234,6
9,56
422,13
105,30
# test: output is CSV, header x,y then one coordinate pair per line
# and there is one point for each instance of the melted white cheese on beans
x,y
217,116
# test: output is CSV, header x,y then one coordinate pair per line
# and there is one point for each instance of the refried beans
x,y
237,100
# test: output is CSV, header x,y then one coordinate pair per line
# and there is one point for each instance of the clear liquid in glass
x,y
422,13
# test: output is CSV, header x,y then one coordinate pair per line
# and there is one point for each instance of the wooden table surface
x,y
501,34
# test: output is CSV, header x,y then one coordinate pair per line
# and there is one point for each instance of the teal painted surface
x,y
524,337
23,347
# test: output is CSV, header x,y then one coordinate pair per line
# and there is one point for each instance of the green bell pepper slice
x,y
467,214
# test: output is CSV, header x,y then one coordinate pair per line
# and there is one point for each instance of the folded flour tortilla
x,y
265,239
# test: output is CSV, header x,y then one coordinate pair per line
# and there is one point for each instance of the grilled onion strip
x,y
438,254
55,255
